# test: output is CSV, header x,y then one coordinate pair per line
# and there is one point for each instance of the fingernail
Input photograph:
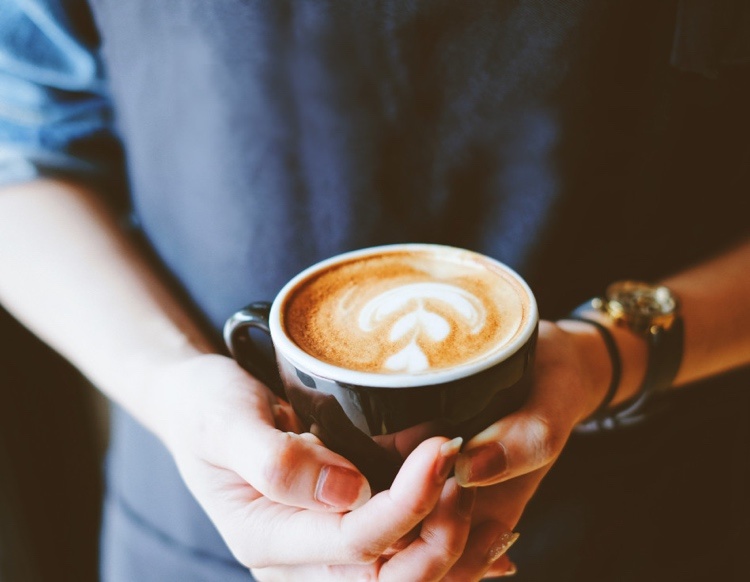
x,y
501,545
483,463
511,571
447,458
339,487
465,501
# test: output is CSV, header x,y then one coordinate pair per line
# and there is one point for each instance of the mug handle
x,y
246,352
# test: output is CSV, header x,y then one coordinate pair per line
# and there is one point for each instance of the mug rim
x,y
301,359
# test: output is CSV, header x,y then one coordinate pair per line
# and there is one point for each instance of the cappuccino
x,y
409,339
411,311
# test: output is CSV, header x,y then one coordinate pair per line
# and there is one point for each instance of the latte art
x,y
405,312
420,321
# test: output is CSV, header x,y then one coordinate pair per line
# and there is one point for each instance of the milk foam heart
x,y
419,320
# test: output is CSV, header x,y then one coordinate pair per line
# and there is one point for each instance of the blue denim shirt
x,y
55,114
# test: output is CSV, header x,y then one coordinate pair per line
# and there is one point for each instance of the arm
x,y
509,459
716,311
70,275
716,307
67,270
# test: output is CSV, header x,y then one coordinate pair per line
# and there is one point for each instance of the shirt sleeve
x,y
55,114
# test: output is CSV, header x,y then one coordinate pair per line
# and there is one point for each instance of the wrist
x,y
180,398
196,403
633,354
599,366
595,366
138,376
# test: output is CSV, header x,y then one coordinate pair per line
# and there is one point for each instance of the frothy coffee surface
x,y
406,312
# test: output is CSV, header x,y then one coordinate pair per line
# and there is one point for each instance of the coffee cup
x,y
380,348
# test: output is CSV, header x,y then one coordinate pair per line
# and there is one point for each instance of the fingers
x,y
502,567
285,418
392,514
501,506
269,534
286,467
233,424
427,557
506,501
441,541
485,551
294,470
517,444
534,435
524,441
405,441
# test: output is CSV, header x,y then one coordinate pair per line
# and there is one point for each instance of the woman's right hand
x,y
285,504
277,498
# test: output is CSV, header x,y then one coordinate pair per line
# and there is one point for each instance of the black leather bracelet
x,y
665,350
600,414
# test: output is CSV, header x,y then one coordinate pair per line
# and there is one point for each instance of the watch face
x,y
641,306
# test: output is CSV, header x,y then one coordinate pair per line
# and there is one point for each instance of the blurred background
x,y
53,428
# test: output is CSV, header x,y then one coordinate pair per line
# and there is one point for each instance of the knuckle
x,y
452,553
448,547
418,508
277,471
546,440
357,552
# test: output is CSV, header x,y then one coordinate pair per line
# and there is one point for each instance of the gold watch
x,y
643,308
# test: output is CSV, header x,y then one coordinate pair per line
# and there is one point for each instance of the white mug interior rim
x,y
284,345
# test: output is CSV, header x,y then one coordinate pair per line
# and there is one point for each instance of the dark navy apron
x,y
262,136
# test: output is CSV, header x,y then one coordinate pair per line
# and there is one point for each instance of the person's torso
x,y
263,136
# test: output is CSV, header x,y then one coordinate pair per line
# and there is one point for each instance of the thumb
x,y
515,445
295,469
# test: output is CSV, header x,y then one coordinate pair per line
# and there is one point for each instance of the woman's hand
x,y
568,385
442,548
289,508
508,460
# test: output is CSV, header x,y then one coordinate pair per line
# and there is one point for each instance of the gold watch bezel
x,y
642,307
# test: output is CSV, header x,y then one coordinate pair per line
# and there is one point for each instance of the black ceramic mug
x,y
394,343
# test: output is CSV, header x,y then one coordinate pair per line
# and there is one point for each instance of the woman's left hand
x,y
508,460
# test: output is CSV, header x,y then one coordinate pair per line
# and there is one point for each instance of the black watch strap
x,y
665,357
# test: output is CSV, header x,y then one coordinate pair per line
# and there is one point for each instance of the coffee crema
x,y
406,311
